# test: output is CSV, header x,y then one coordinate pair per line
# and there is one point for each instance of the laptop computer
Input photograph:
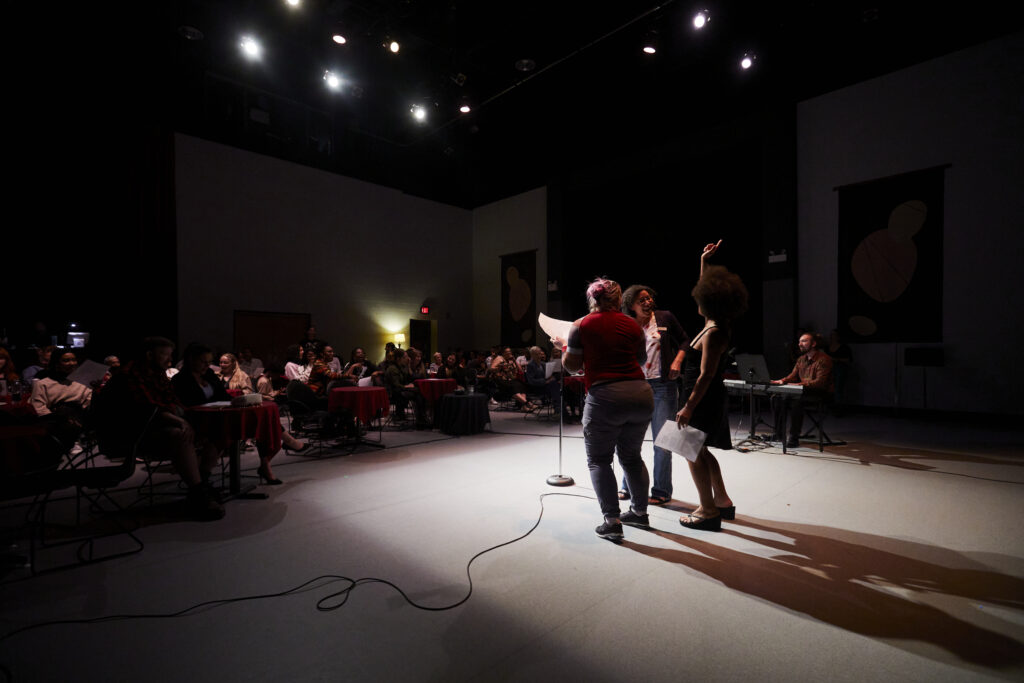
x,y
752,368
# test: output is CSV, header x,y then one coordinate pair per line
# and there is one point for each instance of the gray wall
x,y
508,226
257,233
964,109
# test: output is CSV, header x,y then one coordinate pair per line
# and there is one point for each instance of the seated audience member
x,y
813,371
250,366
523,359
125,408
537,380
320,374
271,383
417,368
506,375
333,362
232,377
436,363
271,386
8,373
399,383
197,384
358,366
60,403
44,354
299,364
451,370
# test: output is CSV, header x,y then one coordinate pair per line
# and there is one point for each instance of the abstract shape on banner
x,y
884,263
891,288
518,273
519,296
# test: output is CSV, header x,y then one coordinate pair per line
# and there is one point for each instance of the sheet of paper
x,y
88,372
552,367
686,441
553,327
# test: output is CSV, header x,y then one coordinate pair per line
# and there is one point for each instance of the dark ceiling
x,y
591,94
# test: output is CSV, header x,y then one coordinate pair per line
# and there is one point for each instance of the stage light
x,y
392,45
339,39
418,112
701,19
748,60
465,109
292,3
332,79
650,43
250,48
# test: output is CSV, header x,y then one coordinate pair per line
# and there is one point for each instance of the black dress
x,y
709,415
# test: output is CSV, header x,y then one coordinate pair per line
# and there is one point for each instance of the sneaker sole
x,y
638,524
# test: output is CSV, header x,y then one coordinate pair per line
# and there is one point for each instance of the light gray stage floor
x,y
898,556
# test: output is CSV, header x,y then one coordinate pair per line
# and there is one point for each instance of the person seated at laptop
x,y
813,371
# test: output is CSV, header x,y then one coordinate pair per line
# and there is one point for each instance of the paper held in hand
x,y
686,441
553,327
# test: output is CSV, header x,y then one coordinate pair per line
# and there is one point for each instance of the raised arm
x,y
709,251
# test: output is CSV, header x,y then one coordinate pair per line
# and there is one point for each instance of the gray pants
x,y
616,416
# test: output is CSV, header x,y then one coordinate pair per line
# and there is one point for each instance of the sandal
x,y
658,500
699,523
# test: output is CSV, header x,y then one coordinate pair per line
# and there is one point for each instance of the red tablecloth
x,y
224,425
433,389
22,408
363,402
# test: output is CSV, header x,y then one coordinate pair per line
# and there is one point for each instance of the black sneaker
x,y
632,519
613,532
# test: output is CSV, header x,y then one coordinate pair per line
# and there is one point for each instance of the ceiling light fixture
x,y
748,60
650,43
392,45
332,80
250,48
418,113
292,3
701,19
339,39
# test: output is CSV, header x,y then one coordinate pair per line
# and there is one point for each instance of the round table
x,y
228,426
463,413
366,403
433,389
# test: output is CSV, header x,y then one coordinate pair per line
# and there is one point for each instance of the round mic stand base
x,y
560,480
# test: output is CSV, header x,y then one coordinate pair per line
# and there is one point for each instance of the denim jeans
x,y
615,417
666,403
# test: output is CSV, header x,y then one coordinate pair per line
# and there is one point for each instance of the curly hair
x,y
721,295
630,295
603,295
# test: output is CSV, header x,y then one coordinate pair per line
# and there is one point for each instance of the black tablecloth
x,y
463,413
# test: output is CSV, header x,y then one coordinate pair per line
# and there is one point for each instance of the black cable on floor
x,y
339,598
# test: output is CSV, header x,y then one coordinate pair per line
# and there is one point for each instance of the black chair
x,y
308,415
816,409
93,482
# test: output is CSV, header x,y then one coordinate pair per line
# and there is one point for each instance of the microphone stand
x,y
560,479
